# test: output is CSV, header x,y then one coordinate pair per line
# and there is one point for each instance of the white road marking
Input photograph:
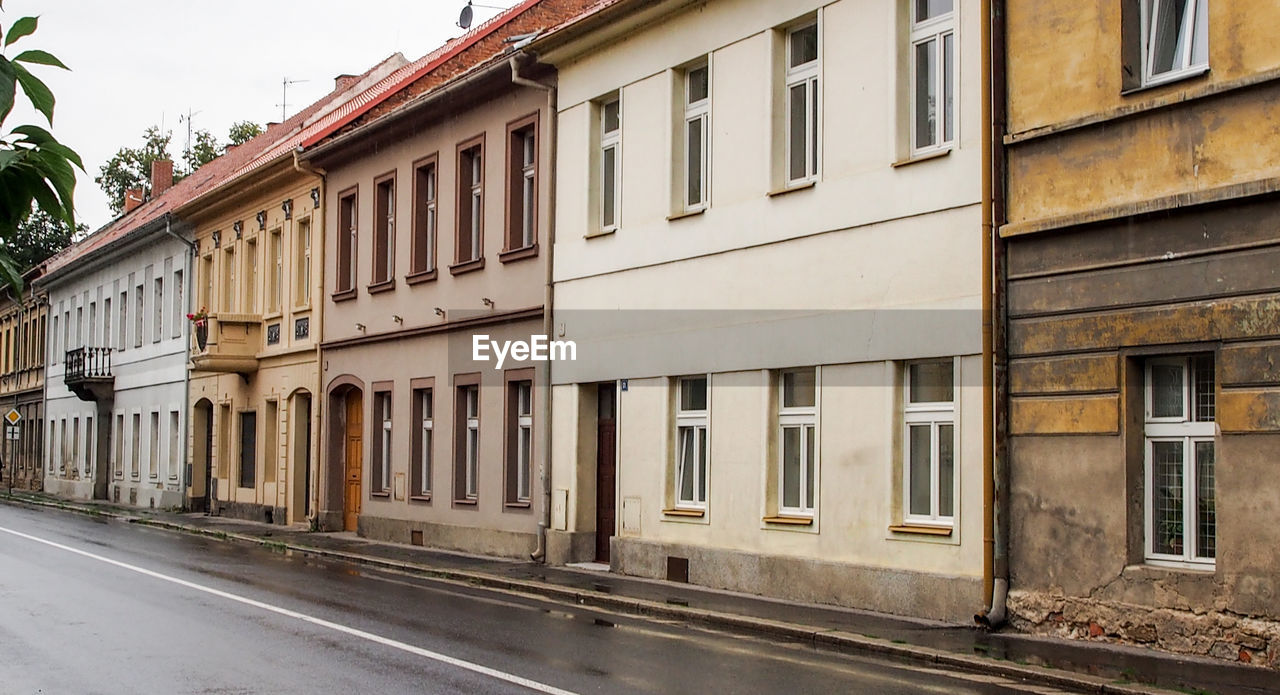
x,y
378,639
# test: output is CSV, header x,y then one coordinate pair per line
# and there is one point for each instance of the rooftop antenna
x,y
468,15
284,97
187,118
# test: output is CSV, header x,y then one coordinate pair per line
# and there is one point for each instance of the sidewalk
x,y
1083,666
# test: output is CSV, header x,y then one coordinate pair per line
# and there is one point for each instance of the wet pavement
x,y
578,648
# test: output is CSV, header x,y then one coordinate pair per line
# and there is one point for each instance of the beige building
x,y
254,349
23,319
1142,246
769,253
439,198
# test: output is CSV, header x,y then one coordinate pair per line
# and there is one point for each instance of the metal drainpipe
x,y
317,312
995,478
186,346
540,553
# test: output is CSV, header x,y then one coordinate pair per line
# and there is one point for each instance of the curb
x,y
826,639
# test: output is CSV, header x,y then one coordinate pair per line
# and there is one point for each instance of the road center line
x,y
378,639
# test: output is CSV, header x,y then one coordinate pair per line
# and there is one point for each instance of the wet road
x,y
95,606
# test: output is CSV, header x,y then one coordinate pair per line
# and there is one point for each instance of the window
x,y
248,449
93,326
610,162
175,443
157,311
1181,513
123,325
384,228
467,439
275,271
519,440
75,445
802,103
347,241
89,435
251,276
1174,39
270,441
692,420
119,436
425,186
179,304
228,303
55,341
139,312
302,266
932,74
135,469
153,458
797,442
470,236
422,444
65,451
697,136
929,422
522,184
381,468
80,326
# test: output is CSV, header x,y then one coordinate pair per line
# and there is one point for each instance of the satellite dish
x,y
464,19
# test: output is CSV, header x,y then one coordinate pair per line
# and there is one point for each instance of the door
x,y
606,469
354,454
206,500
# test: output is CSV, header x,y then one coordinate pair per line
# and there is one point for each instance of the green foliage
x,y
130,167
40,236
243,131
36,171
204,149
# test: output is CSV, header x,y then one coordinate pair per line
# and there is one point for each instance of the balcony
x,y
227,343
88,374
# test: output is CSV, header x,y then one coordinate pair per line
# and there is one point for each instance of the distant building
x,y
23,319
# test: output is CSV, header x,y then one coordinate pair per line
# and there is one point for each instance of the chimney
x,y
132,199
161,176
343,82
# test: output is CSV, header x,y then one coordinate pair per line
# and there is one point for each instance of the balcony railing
x,y
88,363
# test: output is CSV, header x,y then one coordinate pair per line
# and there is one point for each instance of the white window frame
x,y
524,440
1188,432
696,422
471,466
432,218
157,310
806,419
275,283
611,140
528,185
935,414
426,434
384,442
936,29
302,237
1196,13
808,75
696,111
476,199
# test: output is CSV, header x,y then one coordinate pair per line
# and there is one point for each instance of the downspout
x,y
317,313
186,346
544,523
995,560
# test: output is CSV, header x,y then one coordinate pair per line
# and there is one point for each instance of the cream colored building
x,y
768,251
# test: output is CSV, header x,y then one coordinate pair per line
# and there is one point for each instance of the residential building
x,y
115,356
254,354
769,251
23,317
1141,235
438,196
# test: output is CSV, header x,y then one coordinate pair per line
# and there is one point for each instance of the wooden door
x,y
606,470
354,459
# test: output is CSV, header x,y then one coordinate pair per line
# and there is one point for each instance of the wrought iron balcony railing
x,y
88,363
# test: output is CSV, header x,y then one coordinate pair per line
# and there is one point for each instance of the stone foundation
x,y
1216,633
564,547
251,512
479,541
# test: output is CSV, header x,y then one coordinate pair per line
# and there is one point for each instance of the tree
x,y
35,169
40,236
131,167
204,149
243,131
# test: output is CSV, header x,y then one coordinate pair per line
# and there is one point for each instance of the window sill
x,y
380,287
1167,80
420,277
922,530
302,309
691,513
518,254
466,266
466,502
517,505
344,295
922,157
686,214
1179,566
420,498
382,495
791,189
601,233
789,520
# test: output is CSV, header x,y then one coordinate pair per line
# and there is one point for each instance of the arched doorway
x,y
344,454
201,493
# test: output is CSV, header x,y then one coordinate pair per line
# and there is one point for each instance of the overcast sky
x,y
137,63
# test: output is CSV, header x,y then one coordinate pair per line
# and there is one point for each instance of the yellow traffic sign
x,y
13,416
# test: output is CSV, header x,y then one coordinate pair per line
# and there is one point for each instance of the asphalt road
x,y
95,606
